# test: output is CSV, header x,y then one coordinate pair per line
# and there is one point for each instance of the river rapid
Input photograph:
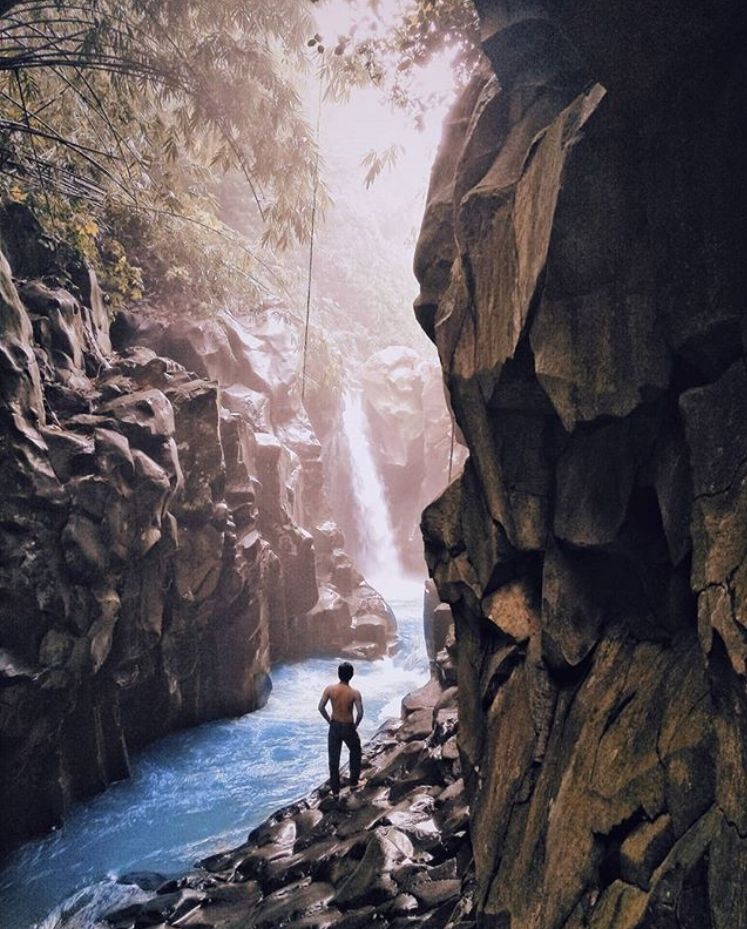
x,y
202,790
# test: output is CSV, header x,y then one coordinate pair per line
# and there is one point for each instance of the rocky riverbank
x,y
394,853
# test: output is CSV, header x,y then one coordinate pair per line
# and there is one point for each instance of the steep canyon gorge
x,y
174,520
165,531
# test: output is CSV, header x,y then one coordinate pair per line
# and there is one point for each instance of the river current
x,y
202,790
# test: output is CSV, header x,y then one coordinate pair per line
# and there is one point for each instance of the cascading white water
x,y
379,559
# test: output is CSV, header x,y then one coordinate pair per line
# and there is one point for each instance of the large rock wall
x,y
154,550
581,274
137,590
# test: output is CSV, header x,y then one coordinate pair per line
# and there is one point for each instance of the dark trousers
x,y
339,733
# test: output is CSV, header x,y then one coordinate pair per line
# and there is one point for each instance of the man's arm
x,y
323,704
358,704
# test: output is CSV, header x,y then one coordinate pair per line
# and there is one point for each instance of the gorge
x,y
200,791
246,476
177,524
150,531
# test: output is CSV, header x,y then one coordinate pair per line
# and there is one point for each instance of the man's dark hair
x,y
345,671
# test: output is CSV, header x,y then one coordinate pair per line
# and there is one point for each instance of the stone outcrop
x,y
440,641
393,853
161,541
328,606
581,276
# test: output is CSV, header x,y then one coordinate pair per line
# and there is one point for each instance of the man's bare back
x,y
343,698
343,726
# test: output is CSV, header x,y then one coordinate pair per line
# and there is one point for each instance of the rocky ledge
x,y
395,852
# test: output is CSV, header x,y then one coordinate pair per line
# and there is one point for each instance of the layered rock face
x,y
152,557
328,605
119,592
581,275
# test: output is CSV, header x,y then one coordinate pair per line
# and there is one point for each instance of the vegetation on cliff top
x,y
168,141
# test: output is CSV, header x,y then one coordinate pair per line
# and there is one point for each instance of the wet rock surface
x,y
162,540
580,277
395,852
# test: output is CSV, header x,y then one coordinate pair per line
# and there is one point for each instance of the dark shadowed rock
x,y
581,278
265,426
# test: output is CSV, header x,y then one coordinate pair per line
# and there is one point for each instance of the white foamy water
x,y
379,559
199,791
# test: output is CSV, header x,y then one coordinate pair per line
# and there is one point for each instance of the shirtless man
x,y
342,726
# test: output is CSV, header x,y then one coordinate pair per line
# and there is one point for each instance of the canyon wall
x,y
162,540
255,363
581,275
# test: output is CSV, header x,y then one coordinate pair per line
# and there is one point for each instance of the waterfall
x,y
379,559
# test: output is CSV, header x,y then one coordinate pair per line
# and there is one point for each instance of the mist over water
x,y
202,790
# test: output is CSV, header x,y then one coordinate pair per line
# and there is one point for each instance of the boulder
x,y
438,621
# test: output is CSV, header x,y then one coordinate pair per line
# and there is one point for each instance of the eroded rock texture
x,y
328,606
161,540
581,274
